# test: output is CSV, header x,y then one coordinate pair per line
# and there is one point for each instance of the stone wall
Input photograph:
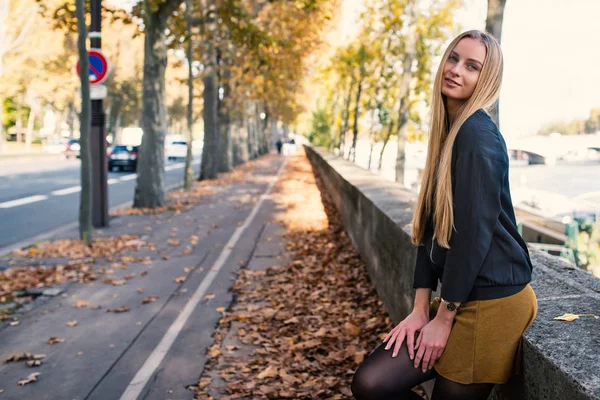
x,y
561,359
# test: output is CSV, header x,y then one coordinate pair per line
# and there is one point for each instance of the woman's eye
x,y
472,67
453,58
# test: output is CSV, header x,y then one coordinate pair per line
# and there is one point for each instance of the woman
x,y
469,339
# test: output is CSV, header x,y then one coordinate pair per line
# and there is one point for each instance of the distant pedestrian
x,y
470,338
279,145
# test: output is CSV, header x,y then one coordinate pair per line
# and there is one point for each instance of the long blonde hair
x,y
436,184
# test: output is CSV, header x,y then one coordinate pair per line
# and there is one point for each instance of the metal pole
x,y
98,135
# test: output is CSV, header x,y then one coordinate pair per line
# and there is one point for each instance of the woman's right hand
x,y
406,330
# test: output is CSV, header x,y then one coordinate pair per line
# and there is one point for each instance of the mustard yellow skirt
x,y
485,344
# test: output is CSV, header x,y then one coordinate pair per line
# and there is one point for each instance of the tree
x,y
22,15
85,204
493,25
150,191
188,176
210,151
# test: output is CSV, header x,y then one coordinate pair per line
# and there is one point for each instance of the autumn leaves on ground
x,y
295,330
304,326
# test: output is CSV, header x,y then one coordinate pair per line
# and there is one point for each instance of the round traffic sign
x,y
98,66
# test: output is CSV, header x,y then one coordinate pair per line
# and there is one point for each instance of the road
x,y
36,197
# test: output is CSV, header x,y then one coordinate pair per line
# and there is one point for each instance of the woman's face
x,y
462,69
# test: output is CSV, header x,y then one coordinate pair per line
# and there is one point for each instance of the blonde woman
x,y
464,226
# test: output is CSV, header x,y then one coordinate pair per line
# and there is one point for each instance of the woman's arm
x,y
421,304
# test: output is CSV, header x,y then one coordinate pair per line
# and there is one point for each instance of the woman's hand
x,y
406,329
431,343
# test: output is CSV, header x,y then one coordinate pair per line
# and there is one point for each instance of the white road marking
x,y
153,361
20,202
128,177
63,192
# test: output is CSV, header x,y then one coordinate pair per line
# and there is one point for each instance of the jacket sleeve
x,y
477,206
425,276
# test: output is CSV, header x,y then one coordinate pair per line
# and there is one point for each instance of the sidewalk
x,y
225,294
133,297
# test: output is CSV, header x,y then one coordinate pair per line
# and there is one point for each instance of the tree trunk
x,y
85,204
404,94
493,25
188,174
210,153
225,143
345,117
355,127
29,131
385,142
150,191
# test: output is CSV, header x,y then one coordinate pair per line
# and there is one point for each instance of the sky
x,y
551,58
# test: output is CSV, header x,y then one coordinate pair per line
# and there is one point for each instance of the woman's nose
x,y
455,69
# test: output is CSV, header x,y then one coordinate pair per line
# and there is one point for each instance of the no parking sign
x,y
98,67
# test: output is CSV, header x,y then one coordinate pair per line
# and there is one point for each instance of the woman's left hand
x,y
431,343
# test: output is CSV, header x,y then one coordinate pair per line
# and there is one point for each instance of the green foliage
x,y
588,243
320,134
574,127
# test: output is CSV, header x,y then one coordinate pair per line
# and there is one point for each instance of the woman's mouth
x,y
449,82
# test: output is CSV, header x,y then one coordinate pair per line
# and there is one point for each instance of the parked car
x,y
122,157
175,149
73,149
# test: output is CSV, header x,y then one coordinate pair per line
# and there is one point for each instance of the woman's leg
x,y
382,377
445,389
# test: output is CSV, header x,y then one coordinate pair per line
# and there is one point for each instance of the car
x,y
176,149
123,157
73,149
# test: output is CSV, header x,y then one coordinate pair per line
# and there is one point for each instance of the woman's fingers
x,y
399,340
389,335
419,355
410,343
427,359
390,342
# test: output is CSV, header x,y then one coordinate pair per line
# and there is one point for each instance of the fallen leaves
x,y
572,317
150,299
118,310
54,340
25,356
31,378
303,326
71,324
80,304
181,279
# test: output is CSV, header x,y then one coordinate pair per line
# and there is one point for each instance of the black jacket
x,y
487,259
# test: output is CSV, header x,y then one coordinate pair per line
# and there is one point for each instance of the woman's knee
x,y
363,385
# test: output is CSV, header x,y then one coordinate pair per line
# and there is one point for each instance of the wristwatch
x,y
450,306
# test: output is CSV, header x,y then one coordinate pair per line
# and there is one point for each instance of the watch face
x,y
451,306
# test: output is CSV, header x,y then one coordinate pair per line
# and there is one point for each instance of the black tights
x,y
381,377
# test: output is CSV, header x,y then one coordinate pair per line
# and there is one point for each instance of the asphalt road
x,y
39,196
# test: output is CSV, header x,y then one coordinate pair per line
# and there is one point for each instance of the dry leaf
x,y
80,304
118,310
150,299
119,282
181,279
54,340
79,353
34,363
209,296
144,273
270,372
72,323
95,307
140,290
351,329
567,317
31,378
15,323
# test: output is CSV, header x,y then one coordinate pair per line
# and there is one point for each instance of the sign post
x,y
99,70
